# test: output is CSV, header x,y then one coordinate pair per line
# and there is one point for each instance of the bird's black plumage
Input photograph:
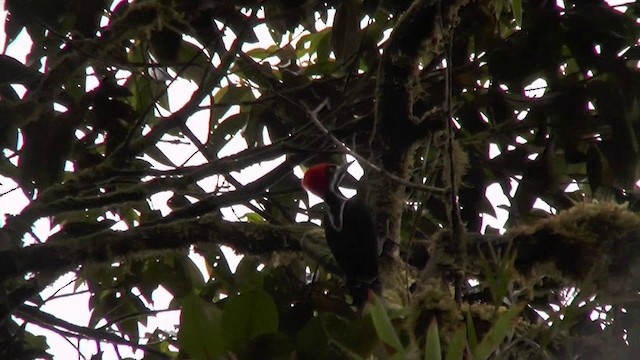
x,y
355,249
349,230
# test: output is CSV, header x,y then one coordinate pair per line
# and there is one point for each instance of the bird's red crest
x,y
316,179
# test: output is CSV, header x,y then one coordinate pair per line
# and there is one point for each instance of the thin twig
x,y
313,115
51,322
457,225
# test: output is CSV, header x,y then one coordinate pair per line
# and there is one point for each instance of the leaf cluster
x,y
543,99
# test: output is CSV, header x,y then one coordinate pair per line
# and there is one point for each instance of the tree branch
x,y
396,129
109,245
61,198
590,246
313,115
53,323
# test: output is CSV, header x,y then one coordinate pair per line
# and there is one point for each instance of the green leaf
x,y
496,334
177,273
345,34
201,328
36,341
259,73
354,339
194,64
312,340
498,5
247,316
222,277
142,88
472,337
253,218
247,276
158,155
457,345
13,71
263,53
35,345
516,7
324,47
224,131
229,96
384,328
159,91
498,272
432,350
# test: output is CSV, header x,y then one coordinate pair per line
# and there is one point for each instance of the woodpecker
x,y
349,231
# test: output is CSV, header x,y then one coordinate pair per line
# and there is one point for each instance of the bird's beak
x,y
341,172
342,169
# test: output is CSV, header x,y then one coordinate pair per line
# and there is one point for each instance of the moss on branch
x,y
108,246
595,247
396,130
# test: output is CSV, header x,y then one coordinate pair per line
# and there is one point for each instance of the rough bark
x,y
110,245
396,128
